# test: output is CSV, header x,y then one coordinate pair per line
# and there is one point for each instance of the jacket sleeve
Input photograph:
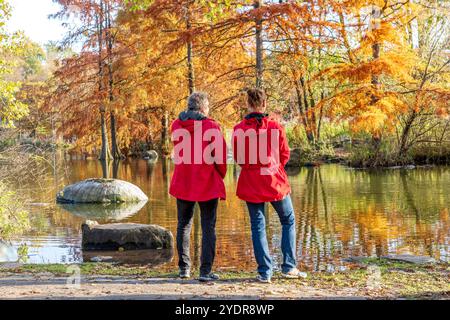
x,y
222,166
285,152
234,146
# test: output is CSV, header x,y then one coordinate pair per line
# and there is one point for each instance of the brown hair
x,y
256,97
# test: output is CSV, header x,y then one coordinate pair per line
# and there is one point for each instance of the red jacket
x,y
262,179
198,181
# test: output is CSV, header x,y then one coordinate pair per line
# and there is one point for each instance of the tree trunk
x,y
345,38
375,55
105,168
116,169
319,125
114,146
312,112
303,117
310,125
375,51
190,55
322,90
164,133
105,152
117,155
376,139
403,148
259,47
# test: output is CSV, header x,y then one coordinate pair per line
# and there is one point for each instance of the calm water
x,y
340,213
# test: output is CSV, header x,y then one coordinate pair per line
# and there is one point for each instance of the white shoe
x,y
184,274
294,274
262,279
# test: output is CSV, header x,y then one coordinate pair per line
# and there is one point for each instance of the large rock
x,y
128,236
151,156
101,191
410,258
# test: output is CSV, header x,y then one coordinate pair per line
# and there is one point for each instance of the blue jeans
x,y
260,245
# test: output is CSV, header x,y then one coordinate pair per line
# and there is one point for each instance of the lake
x,y
340,212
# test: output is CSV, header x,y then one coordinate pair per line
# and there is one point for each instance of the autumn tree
x,y
371,64
427,96
90,73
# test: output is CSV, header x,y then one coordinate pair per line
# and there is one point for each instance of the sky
x,y
31,16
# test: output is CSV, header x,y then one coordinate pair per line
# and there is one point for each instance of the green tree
x,y
11,45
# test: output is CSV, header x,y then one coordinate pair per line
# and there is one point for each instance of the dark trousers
x,y
208,212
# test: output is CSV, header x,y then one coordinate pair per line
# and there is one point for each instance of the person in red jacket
x,y
261,149
200,167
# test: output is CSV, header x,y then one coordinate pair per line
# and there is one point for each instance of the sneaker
x,y
209,277
262,279
185,274
294,274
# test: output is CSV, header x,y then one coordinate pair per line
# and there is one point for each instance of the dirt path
x,y
48,286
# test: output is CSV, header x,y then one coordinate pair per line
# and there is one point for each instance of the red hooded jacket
x,y
262,178
197,181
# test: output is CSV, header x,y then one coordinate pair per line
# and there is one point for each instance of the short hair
x,y
198,101
256,97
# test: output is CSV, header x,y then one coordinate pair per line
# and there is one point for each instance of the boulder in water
x,y
101,191
151,156
125,236
410,258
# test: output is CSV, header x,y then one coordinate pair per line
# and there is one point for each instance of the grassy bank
x,y
373,278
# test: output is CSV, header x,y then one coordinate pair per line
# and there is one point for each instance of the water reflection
x,y
110,169
8,253
151,258
107,211
340,213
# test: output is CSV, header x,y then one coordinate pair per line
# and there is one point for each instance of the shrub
x,y
431,154
364,154
296,136
14,219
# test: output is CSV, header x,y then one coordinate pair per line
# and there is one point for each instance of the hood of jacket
x,y
187,120
191,115
256,120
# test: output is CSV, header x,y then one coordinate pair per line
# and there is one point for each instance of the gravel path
x,y
48,286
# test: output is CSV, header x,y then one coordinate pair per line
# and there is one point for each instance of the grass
x,y
94,269
395,279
